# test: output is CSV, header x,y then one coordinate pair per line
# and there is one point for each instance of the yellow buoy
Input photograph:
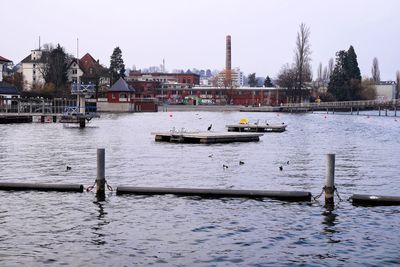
x,y
243,121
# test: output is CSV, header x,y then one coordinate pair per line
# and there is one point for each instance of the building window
x,y
113,96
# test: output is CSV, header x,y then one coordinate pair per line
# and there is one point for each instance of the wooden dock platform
x,y
206,137
256,128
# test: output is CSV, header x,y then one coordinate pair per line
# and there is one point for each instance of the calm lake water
x,y
73,229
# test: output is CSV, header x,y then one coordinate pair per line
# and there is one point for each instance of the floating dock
x,y
14,119
206,137
256,128
216,193
375,200
41,187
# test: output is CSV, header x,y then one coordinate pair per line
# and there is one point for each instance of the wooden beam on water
x,y
41,187
375,200
216,193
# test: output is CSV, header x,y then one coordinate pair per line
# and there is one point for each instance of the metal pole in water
x,y
330,179
100,179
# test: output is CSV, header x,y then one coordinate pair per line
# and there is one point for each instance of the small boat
x,y
245,126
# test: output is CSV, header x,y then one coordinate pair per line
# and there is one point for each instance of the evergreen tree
x,y
352,65
55,71
338,79
267,82
345,81
252,80
117,66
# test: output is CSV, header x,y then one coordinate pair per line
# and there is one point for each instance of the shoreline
x,y
211,108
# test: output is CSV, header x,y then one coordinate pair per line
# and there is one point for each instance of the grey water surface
x,y
74,229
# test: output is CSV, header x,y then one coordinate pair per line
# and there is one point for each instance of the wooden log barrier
x,y
216,193
375,200
41,187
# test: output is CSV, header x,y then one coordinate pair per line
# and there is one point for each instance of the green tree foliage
x,y
268,82
345,80
117,66
55,71
252,80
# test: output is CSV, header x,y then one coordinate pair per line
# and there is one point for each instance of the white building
x,y
385,90
32,68
74,71
236,75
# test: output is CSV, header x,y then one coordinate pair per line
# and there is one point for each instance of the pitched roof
x,y
74,60
4,60
43,59
121,86
92,67
8,89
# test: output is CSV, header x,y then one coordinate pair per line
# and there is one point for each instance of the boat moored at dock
x,y
245,126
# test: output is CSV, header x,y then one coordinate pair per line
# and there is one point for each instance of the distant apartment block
x,y
236,75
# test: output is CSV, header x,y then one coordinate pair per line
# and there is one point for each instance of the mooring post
x,y
100,179
330,179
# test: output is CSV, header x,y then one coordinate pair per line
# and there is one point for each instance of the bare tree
x,y
325,75
302,53
287,77
398,84
319,73
330,68
376,74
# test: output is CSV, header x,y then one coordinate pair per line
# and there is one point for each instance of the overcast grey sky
x,y
191,34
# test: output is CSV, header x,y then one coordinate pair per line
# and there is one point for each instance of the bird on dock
x,y
209,127
68,168
241,162
281,168
225,166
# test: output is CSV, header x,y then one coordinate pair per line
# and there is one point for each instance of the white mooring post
x,y
100,179
330,179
